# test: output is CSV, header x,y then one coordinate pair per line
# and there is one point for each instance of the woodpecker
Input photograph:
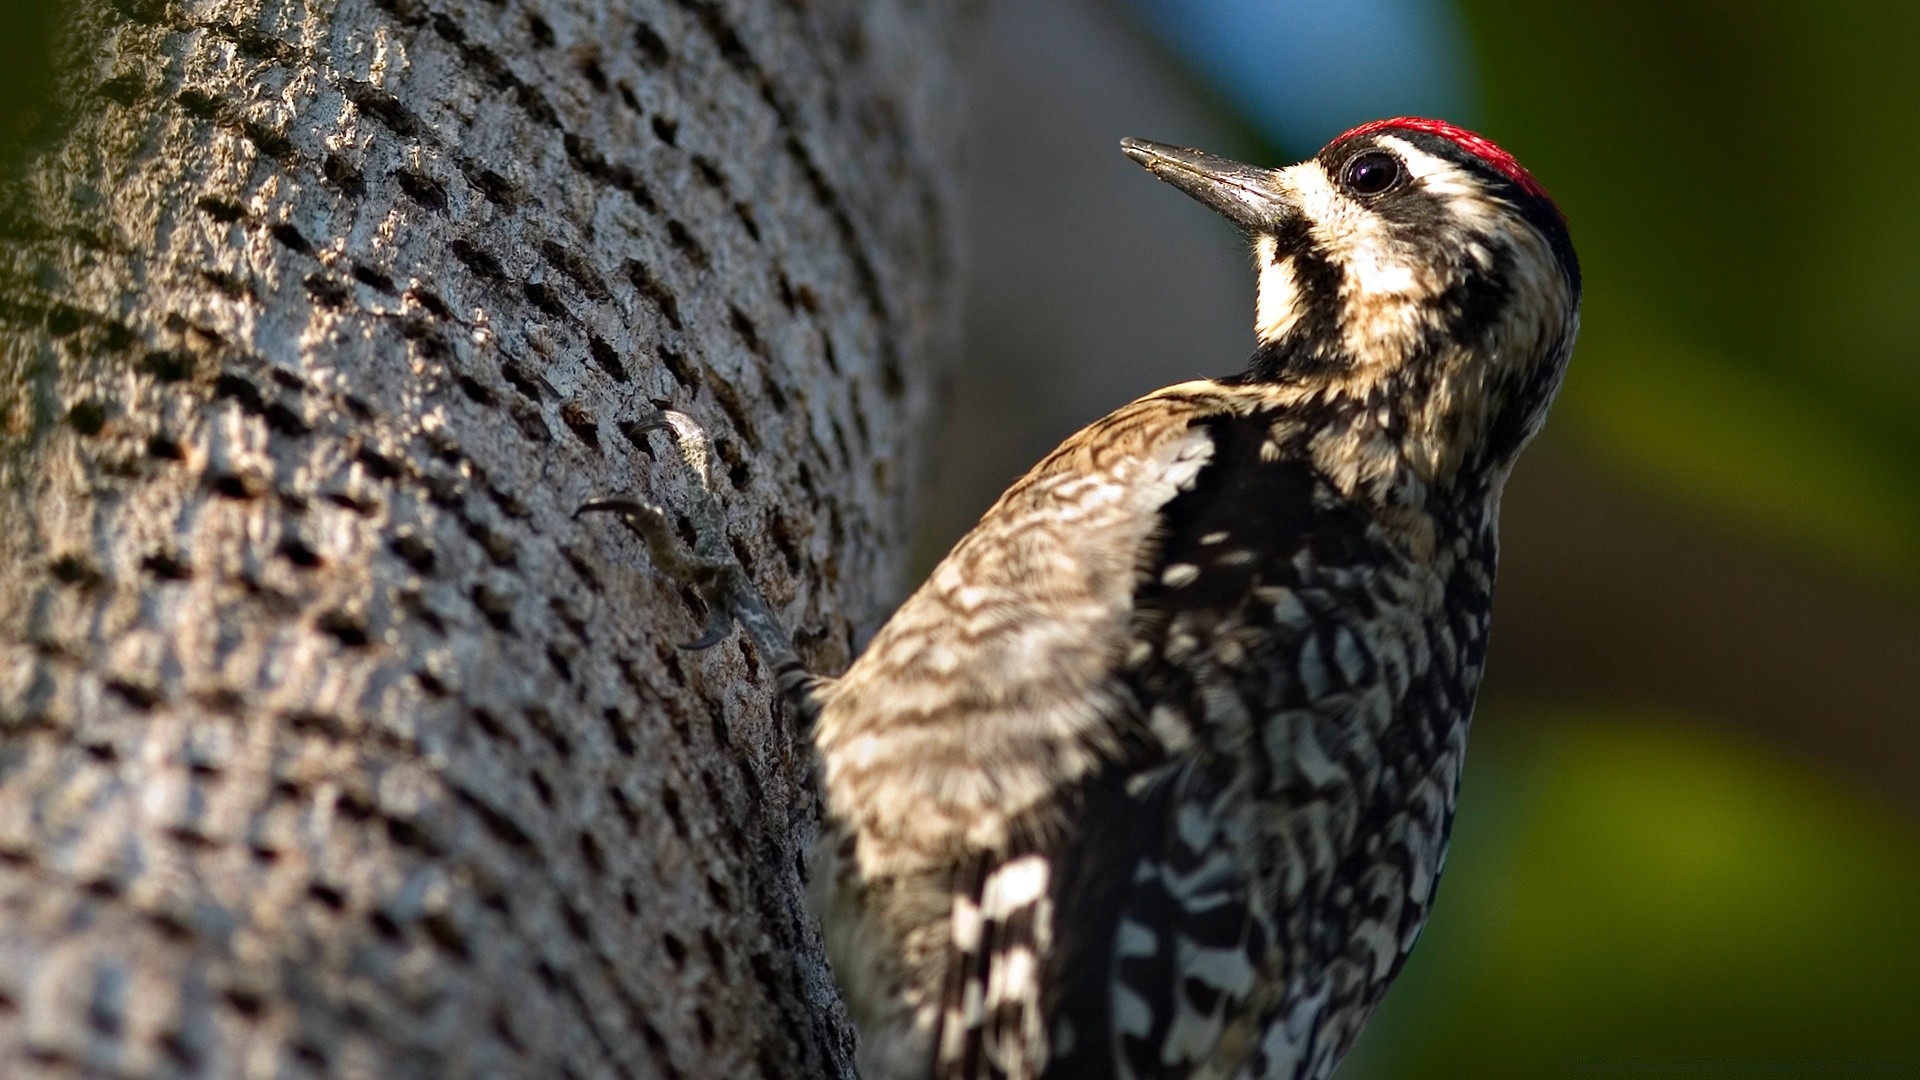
x,y
1153,777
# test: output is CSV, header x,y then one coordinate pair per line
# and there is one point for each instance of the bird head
x,y
1411,271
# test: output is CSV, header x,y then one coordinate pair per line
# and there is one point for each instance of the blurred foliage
x,y
1643,897
1743,201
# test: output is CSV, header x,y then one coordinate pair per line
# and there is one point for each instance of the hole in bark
x,y
291,238
166,566
442,932
604,355
492,727
541,788
575,266
299,553
667,130
245,1002
427,299
709,172
729,401
327,291
422,189
175,1046
87,417
410,835
504,1030
378,465
651,288
385,926
530,423
543,297
478,393
498,189
272,143
222,210
498,547
597,78
198,104
76,570
240,390
670,802
676,949
561,665
238,486
367,275
590,852
495,607
231,286
617,730
477,260
343,175
653,48
787,543
168,366
348,629
745,214
542,32
522,380
543,722
414,549
683,239
283,419
381,106
123,89
749,333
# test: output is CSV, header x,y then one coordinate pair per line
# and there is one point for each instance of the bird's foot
x,y
709,567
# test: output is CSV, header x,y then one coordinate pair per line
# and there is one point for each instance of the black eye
x,y
1373,172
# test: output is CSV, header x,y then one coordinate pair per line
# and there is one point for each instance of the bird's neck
x,y
1399,436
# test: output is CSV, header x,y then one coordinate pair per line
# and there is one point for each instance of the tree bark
x,y
330,744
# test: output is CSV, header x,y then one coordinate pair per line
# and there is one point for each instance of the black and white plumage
x,y
1153,776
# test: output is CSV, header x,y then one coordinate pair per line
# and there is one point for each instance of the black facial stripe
x,y
1538,212
1314,342
1473,304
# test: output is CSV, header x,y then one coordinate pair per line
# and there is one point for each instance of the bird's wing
x,y
1165,933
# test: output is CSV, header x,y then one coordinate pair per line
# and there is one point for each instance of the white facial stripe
x,y
1277,303
1457,189
1318,198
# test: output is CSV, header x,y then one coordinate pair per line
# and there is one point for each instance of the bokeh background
x,y
1689,840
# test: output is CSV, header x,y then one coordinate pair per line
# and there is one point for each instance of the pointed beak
x,y
1245,195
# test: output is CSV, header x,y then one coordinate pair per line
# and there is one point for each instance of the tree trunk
x,y
330,744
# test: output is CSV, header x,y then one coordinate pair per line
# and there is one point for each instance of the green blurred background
x,y
1688,841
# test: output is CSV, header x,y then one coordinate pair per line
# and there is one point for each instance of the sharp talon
x,y
656,422
704,642
719,624
613,506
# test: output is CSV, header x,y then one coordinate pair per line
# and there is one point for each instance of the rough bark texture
x,y
329,743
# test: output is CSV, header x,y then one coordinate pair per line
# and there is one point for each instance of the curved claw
x,y
709,567
615,506
719,627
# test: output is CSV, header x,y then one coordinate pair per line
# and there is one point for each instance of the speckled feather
x,y
1153,776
